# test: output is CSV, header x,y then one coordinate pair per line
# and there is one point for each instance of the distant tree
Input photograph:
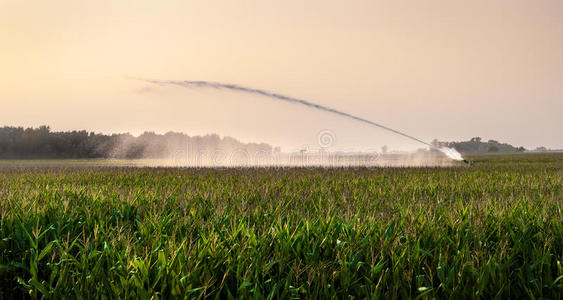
x,y
493,149
475,146
384,149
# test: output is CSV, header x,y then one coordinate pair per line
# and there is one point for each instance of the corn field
x,y
494,230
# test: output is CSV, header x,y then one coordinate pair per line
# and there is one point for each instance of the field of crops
x,y
494,230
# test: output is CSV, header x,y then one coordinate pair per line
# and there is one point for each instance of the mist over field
x,y
181,150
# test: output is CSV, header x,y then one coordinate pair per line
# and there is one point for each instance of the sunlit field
x,y
494,230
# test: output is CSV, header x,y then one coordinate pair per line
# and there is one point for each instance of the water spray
x,y
449,152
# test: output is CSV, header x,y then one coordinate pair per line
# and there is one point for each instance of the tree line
x,y
476,145
41,142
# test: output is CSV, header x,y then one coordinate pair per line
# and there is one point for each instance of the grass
x,y
494,230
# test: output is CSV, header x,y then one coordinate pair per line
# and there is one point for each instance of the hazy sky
x,y
435,69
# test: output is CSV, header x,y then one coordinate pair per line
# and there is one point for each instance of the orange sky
x,y
434,69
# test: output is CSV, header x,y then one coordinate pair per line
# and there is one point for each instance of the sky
x,y
447,70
